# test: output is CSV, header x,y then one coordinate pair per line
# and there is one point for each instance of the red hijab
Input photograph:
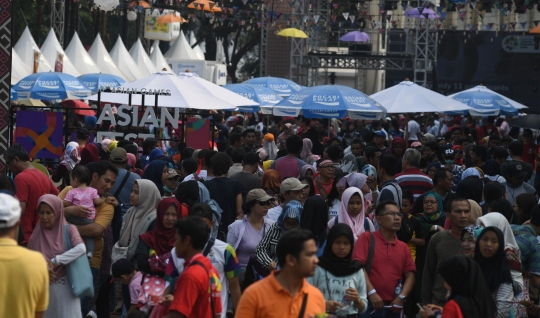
x,y
89,154
456,160
162,239
395,141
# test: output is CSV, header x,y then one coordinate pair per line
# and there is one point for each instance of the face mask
x,y
449,161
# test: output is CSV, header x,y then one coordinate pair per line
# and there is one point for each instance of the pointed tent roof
x,y
220,54
180,50
25,48
157,58
80,57
50,50
146,66
101,57
121,57
197,49
19,70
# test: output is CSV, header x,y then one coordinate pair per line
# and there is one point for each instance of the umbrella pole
x,y
155,111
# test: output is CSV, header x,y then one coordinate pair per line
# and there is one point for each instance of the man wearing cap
x,y
170,185
118,158
247,177
515,177
290,189
24,291
30,183
326,173
449,156
379,138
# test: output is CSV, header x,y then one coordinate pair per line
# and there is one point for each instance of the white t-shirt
x,y
414,128
273,213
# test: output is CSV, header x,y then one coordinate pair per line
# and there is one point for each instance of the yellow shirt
x,y
104,216
24,281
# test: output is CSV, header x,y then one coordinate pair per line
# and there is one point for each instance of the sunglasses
x,y
264,203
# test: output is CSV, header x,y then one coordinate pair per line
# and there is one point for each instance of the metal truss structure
x,y
58,15
264,43
425,56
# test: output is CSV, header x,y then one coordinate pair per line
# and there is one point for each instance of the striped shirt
x,y
414,180
266,250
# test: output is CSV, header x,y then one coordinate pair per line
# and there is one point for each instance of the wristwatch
x,y
402,297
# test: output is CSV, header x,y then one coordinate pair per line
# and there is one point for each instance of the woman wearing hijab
x,y
288,219
160,241
155,154
316,220
458,155
270,147
490,256
307,171
476,211
469,296
48,238
397,147
72,157
139,219
433,217
340,278
89,154
357,180
270,183
471,188
353,212
306,154
157,172
510,246
132,161
431,168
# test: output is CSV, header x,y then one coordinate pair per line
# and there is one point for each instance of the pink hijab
x,y
50,242
356,223
131,159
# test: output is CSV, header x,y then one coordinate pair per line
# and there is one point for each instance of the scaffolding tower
x,y
264,43
425,55
58,15
298,45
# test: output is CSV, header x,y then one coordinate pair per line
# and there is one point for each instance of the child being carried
x,y
83,195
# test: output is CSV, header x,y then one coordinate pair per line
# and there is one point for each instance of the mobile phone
x,y
420,306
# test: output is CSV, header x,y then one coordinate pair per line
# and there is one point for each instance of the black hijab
x,y
317,219
339,267
188,192
470,188
469,289
496,269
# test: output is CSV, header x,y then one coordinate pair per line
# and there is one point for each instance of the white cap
x,y
10,211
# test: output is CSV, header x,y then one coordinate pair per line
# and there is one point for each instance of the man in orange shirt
x,y
285,292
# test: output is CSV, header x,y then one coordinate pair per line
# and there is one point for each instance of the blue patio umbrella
x,y
485,103
13,95
262,95
330,101
282,86
51,86
96,80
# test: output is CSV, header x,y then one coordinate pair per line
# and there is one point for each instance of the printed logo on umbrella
x,y
297,99
326,100
483,102
74,84
280,88
357,100
26,84
49,84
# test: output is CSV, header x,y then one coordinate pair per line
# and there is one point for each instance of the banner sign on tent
x,y
198,133
40,133
153,26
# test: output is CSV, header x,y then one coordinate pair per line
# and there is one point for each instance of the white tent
x,y
101,57
197,49
140,57
19,70
180,50
25,48
121,57
157,58
80,57
50,50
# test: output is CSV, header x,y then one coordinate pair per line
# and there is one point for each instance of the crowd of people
x,y
434,217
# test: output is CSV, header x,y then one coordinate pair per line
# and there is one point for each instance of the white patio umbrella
x,y
408,97
183,94
216,90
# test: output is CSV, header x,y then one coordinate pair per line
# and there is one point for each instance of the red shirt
x,y
451,310
529,153
326,186
31,184
391,260
191,296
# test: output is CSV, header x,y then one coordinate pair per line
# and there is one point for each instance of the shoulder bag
x,y
78,272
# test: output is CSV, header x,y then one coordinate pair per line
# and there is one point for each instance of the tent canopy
x,y
123,60
50,50
157,58
99,54
180,50
137,52
25,48
80,57
19,70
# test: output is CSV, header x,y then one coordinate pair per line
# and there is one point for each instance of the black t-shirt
x,y
224,192
413,225
248,180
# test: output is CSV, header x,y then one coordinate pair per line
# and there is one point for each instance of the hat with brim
x,y
291,184
259,195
